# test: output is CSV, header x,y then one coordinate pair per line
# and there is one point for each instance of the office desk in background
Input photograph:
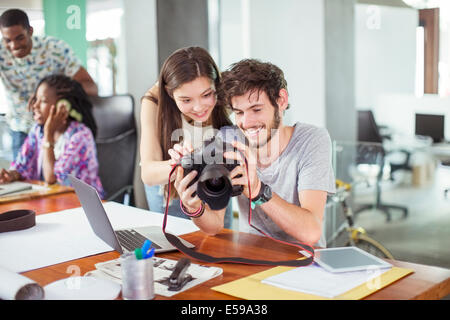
x,y
441,151
426,282
43,190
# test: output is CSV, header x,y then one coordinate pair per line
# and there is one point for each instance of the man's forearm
x,y
296,221
211,222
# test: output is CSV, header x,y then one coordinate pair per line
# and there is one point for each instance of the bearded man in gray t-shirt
x,y
288,173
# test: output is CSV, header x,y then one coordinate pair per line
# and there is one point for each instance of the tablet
x,y
344,259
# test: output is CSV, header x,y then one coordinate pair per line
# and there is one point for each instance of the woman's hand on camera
x,y
190,202
245,173
178,151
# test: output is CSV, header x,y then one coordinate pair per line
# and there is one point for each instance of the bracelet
x,y
195,214
47,145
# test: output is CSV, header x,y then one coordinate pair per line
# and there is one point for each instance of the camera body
x,y
213,172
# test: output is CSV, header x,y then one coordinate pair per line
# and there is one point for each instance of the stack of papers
x,y
162,269
14,187
317,281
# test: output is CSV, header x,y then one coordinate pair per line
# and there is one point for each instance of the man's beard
x,y
271,131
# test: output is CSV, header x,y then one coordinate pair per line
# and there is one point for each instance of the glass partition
x,y
360,165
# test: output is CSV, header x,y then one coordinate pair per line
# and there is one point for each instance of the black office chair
x,y
116,145
368,131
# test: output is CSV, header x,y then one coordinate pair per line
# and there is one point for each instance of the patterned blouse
x,y
20,76
76,155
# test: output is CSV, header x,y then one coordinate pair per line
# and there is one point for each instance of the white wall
x,y
288,33
140,40
23,4
398,111
141,45
385,69
232,32
385,46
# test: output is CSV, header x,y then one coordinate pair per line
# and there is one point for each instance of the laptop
x,y
124,240
13,187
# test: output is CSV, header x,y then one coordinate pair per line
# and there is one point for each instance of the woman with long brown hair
x,y
177,114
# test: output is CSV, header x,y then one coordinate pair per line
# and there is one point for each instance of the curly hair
x,y
13,17
254,76
71,90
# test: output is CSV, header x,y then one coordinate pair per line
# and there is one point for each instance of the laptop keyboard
x,y
130,239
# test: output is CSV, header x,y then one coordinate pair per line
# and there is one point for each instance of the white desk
x,y
67,235
441,151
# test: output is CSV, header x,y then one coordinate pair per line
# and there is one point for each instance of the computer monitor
x,y
430,125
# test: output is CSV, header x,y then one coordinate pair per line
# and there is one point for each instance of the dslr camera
x,y
213,172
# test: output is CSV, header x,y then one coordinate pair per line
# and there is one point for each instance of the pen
x,y
145,247
138,253
150,254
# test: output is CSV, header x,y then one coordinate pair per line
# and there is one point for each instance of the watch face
x,y
267,193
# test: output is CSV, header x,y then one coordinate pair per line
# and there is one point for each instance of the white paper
x,y
66,235
11,283
315,280
20,187
13,188
162,269
122,216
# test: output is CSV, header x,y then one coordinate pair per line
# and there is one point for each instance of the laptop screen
x,y
430,125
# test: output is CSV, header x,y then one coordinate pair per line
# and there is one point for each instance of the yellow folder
x,y
251,287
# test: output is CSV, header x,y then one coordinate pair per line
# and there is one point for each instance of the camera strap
x,y
307,250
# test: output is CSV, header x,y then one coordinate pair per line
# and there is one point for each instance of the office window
x,y
444,50
103,31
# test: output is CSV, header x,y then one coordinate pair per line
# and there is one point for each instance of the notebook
x,y
16,186
124,240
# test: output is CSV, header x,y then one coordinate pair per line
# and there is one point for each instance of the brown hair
x,y
255,76
183,66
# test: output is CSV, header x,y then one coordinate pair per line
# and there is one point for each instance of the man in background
x,y
24,60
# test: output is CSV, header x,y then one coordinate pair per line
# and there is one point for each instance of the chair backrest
x,y
116,141
368,132
367,127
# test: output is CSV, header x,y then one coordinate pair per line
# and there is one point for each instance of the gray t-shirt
x,y
305,164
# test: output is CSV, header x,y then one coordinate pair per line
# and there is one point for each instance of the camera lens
x,y
215,185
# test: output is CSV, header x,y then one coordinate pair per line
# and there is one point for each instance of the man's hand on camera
x,y
239,174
